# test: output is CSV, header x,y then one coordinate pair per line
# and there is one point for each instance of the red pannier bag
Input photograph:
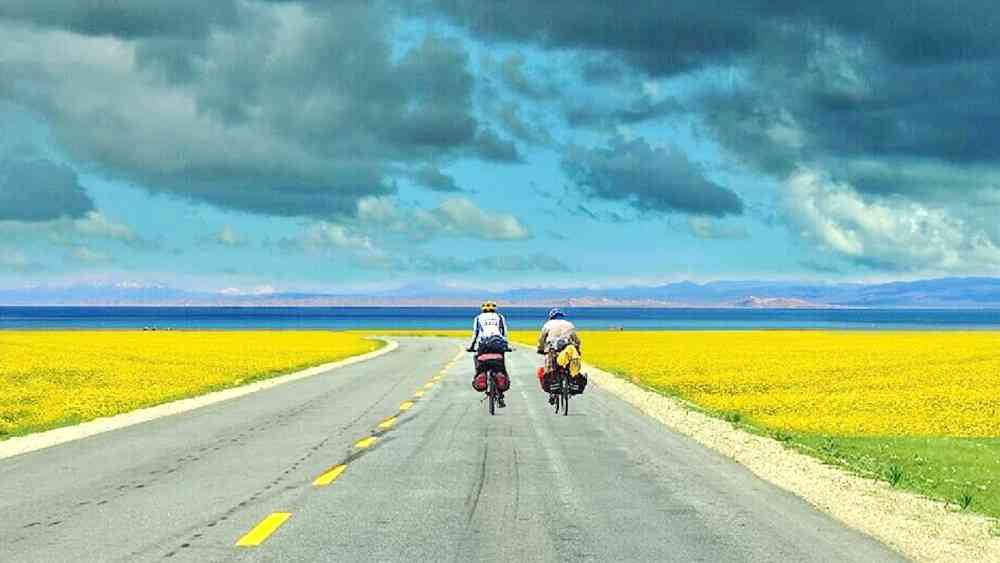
x,y
479,383
503,382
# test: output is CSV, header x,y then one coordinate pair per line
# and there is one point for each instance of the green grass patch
x,y
963,472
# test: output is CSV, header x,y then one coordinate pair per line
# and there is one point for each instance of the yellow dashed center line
x,y
262,531
273,521
365,442
329,476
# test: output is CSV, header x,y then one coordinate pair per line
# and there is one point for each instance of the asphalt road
x,y
443,481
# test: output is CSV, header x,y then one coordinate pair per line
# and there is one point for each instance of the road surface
x,y
442,481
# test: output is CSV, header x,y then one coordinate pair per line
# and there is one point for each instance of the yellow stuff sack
x,y
570,357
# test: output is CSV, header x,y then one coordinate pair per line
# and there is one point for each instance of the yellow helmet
x,y
489,307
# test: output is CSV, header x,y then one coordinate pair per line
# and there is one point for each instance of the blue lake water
x,y
461,318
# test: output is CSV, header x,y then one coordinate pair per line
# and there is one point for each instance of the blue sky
x,y
300,146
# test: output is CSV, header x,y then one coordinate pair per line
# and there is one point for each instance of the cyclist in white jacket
x,y
489,334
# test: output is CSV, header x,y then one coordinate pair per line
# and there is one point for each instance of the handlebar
x,y
508,349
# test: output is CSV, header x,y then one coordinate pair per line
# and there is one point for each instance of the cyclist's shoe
x,y
500,401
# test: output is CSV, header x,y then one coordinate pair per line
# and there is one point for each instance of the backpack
x,y
493,344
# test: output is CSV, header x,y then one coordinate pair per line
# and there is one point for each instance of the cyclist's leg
x,y
475,363
549,363
503,369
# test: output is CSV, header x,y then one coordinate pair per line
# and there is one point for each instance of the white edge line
x,y
32,442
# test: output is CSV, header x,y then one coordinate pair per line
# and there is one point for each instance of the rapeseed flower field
x,y
51,378
839,383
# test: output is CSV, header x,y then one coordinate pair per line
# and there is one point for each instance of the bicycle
x,y
491,391
562,391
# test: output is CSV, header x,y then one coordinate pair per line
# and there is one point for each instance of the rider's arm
x,y
541,340
475,333
503,331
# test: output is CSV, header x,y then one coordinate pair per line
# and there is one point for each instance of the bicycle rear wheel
x,y
491,390
565,396
555,395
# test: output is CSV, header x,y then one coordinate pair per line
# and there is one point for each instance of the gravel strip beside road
x,y
921,529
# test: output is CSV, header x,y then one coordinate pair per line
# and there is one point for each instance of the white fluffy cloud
x,y
66,231
386,235
266,289
84,254
96,225
457,217
710,229
895,233
227,236
330,235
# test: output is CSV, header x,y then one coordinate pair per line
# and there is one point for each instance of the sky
x,y
253,146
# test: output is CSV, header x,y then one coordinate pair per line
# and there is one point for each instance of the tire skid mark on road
x,y
368,443
155,474
517,485
565,489
472,500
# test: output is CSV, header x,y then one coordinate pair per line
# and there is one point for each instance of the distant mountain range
x,y
936,293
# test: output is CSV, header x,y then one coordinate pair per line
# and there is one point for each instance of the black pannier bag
x,y
550,382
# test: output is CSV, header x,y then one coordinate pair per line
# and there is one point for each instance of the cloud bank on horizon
x,y
242,143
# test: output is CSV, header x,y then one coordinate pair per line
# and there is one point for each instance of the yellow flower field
x,y
832,383
49,379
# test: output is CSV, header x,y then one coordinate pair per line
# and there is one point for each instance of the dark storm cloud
x,y
288,110
882,126
40,190
515,74
640,110
490,146
669,37
648,178
124,19
431,177
534,133
661,37
911,83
